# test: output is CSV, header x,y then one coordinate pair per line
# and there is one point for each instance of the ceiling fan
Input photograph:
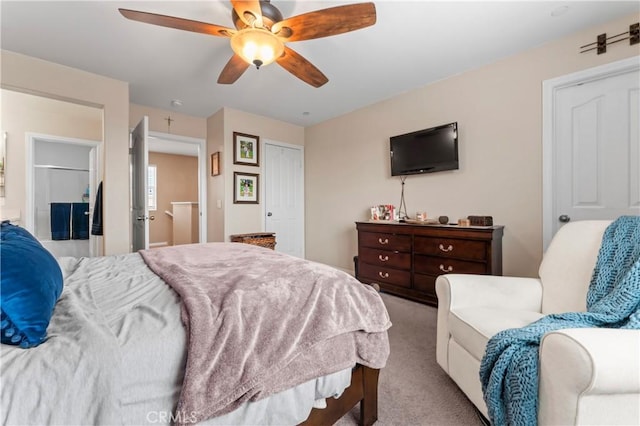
x,y
261,33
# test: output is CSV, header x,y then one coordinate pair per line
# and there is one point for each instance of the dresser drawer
x,y
406,259
381,274
451,247
385,258
433,265
385,241
425,283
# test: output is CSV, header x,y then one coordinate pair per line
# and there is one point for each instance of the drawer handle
x,y
383,275
447,269
445,249
383,258
385,241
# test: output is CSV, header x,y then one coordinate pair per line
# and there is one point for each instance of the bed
x,y
120,348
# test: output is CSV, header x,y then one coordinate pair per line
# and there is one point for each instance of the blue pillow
x,y
31,285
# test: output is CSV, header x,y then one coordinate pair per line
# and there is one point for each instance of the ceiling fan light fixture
x,y
257,46
262,33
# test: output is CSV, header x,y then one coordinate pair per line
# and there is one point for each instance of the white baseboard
x,y
160,244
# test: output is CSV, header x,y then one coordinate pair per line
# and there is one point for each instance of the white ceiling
x,y
412,44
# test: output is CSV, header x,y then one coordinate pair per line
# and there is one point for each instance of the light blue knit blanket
x,y
509,368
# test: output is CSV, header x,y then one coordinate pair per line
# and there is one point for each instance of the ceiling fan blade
x,y
249,11
178,23
233,70
326,22
301,68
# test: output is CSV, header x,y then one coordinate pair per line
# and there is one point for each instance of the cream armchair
x,y
587,376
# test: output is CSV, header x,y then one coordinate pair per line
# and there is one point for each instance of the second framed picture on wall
x,y
245,188
215,163
246,149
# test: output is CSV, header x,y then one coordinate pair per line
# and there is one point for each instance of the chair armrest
x,y
462,290
590,375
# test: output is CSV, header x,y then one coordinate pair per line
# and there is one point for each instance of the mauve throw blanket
x,y
259,322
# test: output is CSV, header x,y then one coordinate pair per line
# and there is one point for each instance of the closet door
x,y
284,196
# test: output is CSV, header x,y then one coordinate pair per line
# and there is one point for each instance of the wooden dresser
x,y
405,259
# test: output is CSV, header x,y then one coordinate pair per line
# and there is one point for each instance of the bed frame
x,y
363,390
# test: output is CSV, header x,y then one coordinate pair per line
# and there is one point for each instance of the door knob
x,y
269,214
564,218
141,218
152,217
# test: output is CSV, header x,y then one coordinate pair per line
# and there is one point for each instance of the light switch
x,y
219,203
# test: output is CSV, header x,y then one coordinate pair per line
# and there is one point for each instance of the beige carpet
x,y
413,389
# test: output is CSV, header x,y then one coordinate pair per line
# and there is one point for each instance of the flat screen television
x,y
425,151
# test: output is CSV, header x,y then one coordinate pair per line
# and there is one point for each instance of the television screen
x,y
425,151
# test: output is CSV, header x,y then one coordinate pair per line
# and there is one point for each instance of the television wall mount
x,y
600,46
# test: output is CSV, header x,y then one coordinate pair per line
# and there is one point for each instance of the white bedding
x,y
116,353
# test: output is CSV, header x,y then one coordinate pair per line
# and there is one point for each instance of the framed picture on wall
x,y
215,163
246,149
245,188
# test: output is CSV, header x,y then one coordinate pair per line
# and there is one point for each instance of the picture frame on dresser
x,y
246,149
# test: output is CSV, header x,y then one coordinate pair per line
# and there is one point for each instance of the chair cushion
x,y
472,327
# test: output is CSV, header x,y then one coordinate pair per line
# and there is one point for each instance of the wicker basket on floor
x,y
262,239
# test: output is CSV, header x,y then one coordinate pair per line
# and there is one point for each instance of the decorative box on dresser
x,y
405,259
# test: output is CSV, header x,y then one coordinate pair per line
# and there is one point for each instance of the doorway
x,y
61,184
174,183
57,124
150,191
284,196
591,145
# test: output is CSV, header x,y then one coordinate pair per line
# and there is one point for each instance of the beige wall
x,y
499,112
498,108
177,177
181,124
23,113
31,75
216,184
240,218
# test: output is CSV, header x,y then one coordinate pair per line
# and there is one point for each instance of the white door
x,y
585,161
597,149
284,196
140,186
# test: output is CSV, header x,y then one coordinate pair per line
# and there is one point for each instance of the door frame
x,y
202,174
263,205
94,178
549,90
